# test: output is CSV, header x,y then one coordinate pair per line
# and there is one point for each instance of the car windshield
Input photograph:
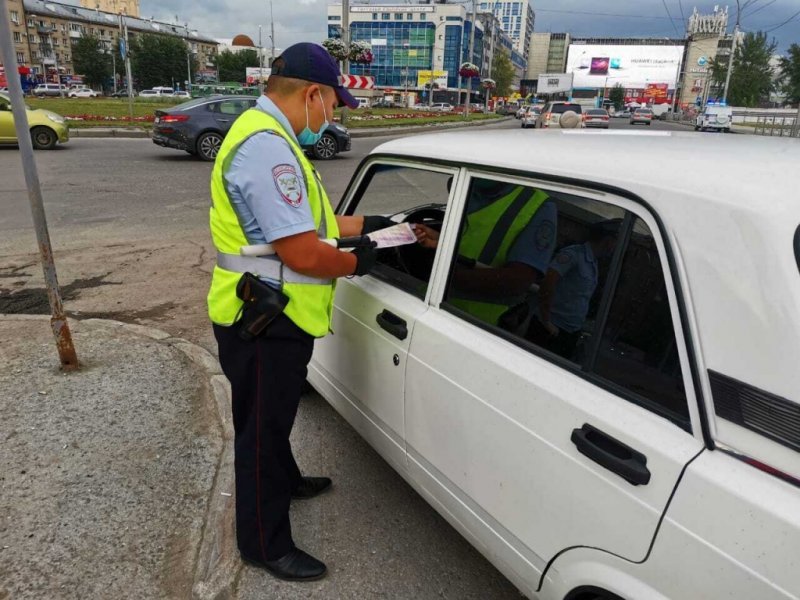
x,y
562,108
644,111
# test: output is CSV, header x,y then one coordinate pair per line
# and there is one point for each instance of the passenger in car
x,y
567,290
506,243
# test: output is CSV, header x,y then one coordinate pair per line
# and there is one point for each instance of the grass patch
x,y
426,120
104,107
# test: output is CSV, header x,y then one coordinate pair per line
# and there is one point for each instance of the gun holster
x,y
262,304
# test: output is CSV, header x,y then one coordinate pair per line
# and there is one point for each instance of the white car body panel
x,y
480,427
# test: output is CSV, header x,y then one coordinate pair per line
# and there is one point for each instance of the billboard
x,y
552,83
439,78
598,66
657,91
252,74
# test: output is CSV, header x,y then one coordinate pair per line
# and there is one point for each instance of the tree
x,y
89,60
790,74
617,96
159,60
232,66
502,73
751,79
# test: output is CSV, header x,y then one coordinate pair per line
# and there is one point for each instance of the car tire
x,y
43,138
697,128
208,145
326,147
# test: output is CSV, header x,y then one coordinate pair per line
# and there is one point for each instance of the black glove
x,y
365,260
376,223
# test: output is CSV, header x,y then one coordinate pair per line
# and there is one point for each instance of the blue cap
x,y
311,62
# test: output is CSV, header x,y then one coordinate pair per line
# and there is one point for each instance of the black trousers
x,y
267,377
563,344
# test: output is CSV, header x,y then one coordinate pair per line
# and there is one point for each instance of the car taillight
x,y
605,118
174,119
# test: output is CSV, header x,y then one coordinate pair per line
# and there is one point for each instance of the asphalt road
x,y
128,221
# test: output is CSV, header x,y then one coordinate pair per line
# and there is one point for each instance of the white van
x,y
363,102
715,117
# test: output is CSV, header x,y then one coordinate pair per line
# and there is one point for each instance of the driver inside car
x,y
507,241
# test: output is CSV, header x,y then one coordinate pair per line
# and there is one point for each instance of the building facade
x,y
547,53
44,32
116,7
517,18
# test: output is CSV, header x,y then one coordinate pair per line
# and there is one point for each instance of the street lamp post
x,y
189,53
471,51
733,51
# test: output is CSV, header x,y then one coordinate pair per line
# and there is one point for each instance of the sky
x,y
306,20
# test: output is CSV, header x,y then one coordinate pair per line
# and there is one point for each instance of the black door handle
x,y
393,324
612,454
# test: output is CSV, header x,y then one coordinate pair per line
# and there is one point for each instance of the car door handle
x,y
393,324
612,454
224,120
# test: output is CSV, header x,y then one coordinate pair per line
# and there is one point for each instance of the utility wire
x,y
683,18
760,8
786,22
677,33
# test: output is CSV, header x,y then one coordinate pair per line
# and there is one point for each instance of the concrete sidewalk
x,y
110,485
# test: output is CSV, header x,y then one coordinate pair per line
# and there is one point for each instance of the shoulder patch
x,y
288,184
544,235
563,258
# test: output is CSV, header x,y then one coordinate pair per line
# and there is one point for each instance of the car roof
x,y
574,154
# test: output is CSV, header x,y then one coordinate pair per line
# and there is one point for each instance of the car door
x,y
7,131
360,368
532,443
227,111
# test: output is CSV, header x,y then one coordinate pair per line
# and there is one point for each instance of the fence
x,y
780,125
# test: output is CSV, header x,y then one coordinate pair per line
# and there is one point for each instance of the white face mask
x,y
308,137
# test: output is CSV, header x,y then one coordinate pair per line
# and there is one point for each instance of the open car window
x,y
410,194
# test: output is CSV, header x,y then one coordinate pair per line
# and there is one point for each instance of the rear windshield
x,y
597,112
644,111
562,108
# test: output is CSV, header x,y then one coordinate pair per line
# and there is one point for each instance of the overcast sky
x,y
306,20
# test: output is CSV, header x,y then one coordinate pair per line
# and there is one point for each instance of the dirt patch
x,y
34,301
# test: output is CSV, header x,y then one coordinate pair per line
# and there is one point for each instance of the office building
x,y
116,7
516,18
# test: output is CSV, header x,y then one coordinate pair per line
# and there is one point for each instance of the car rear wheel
x,y
43,138
208,145
326,147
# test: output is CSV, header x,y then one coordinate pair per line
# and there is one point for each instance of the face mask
x,y
308,137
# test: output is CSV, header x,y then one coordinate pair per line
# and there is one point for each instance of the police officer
x,y
265,191
568,288
506,245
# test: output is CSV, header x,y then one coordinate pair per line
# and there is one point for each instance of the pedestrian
x,y
265,191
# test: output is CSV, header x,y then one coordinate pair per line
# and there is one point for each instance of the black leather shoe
x,y
294,566
311,487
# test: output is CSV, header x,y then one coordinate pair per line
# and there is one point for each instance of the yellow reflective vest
x,y
310,299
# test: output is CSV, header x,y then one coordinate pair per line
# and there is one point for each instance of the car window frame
x,y
358,184
632,211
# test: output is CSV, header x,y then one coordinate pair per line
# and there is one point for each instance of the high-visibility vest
x,y
487,238
310,299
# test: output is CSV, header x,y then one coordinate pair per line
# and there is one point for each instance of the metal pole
x,y
188,61
272,34
733,51
128,69
58,320
260,63
114,67
677,83
471,51
346,38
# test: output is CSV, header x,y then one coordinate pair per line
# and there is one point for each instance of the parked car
x,y
199,126
49,89
386,104
82,92
530,115
46,127
441,107
182,94
622,114
123,93
506,109
596,117
552,111
715,117
642,115
652,453
363,102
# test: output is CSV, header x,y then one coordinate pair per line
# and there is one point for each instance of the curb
x,y
217,564
366,132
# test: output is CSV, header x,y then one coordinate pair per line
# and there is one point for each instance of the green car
x,y
47,128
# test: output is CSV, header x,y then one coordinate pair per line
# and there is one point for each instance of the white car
x,y
82,92
714,117
182,94
530,115
441,107
632,435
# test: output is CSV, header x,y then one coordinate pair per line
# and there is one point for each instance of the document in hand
x,y
397,235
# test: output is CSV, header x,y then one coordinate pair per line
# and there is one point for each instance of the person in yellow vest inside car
x,y
506,243
267,310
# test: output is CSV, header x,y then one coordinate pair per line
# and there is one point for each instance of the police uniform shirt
x,y
266,185
577,267
535,243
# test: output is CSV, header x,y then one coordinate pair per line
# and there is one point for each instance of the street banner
x,y
657,91
439,78
255,75
553,83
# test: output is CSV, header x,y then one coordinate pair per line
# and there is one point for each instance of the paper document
x,y
397,235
